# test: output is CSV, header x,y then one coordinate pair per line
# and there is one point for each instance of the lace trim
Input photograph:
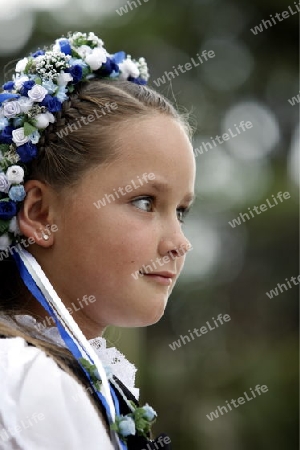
x,y
112,359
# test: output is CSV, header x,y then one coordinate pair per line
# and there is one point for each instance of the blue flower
x,y
65,46
8,210
27,152
78,62
50,86
4,97
119,57
17,193
126,426
137,80
38,53
8,86
26,87
149,414
76,72
61,94
3,123
6,135
35,137
51,103
110,67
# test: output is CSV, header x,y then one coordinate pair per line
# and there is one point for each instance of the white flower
x,y
15,174
19,137
143,69
128,68
19,82
14,227
4,183
25,104
96,58
64,78
43,120
11,109
37,93
20,67
83,51
4,241
56,46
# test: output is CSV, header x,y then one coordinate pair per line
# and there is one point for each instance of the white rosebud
x,y
11,109
64,78
128,68
37,93
83,51
43,120
56,47
25,104
20,81
96,58
19,137
4,183
14,226
15,174
20,67
4,241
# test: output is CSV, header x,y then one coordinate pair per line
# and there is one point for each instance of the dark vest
x,y
133,442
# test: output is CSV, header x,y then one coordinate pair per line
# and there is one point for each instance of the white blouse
x,y
44,408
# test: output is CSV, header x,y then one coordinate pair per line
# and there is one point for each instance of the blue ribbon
x,y
37,293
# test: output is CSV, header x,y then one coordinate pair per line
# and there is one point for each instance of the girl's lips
x,y
158,278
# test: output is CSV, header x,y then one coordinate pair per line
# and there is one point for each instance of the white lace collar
x,y
110,357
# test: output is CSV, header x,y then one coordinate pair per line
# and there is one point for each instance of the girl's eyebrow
x,y
164,187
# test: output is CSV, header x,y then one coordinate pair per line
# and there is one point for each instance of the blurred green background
x,y
229,269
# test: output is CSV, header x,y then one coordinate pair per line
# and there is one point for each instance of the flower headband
x,y
41,83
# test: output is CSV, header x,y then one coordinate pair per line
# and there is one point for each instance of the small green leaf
x,y
4,226
38,80
29,129
4,148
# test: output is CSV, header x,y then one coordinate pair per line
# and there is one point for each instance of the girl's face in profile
x,y
100,247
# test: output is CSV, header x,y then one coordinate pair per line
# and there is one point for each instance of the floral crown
x,y
40,85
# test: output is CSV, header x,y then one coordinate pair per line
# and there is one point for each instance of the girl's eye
x,y
146,203
182,213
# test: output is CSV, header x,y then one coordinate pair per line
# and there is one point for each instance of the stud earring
x,y
45,236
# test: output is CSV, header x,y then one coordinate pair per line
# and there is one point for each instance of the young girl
x,y
96,175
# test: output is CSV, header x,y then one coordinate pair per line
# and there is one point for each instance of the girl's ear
x,y
37,213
